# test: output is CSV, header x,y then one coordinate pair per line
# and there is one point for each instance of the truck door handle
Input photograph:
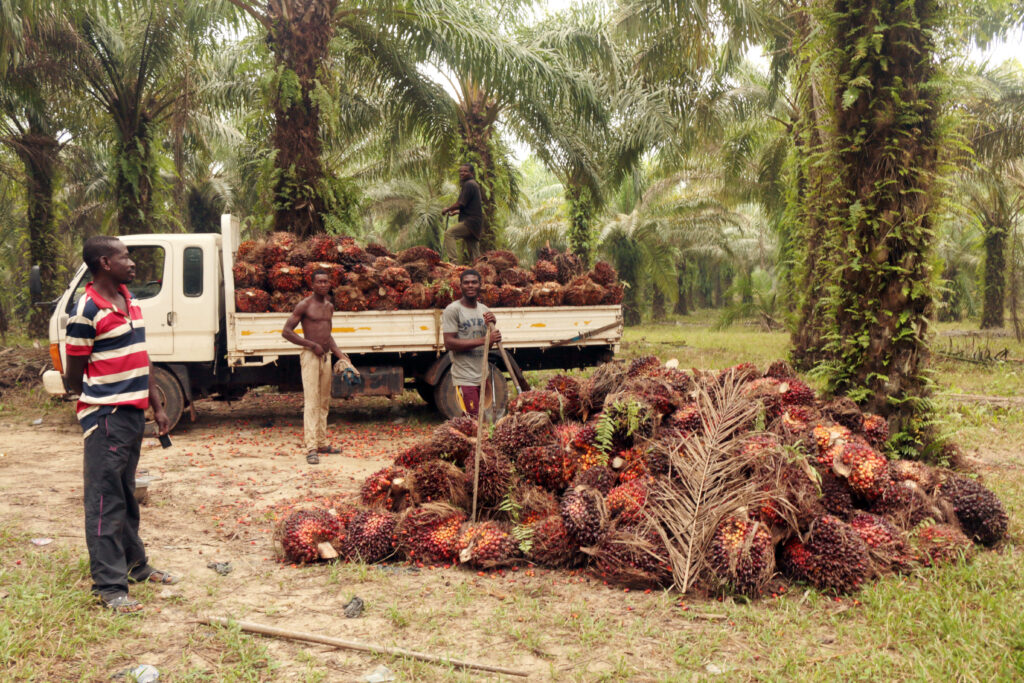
x,y
171,317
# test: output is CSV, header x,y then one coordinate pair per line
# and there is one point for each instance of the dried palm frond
x,y
707,481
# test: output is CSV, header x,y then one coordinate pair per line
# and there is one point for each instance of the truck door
x,y
195,315
152,289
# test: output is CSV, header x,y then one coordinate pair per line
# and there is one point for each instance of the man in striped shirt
x,y
109,369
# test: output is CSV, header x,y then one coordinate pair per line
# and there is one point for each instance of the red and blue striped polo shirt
x,y
117,372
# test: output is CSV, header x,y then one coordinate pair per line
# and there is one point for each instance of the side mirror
x,y
35,284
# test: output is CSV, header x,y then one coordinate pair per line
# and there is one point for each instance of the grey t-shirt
x,y
465,323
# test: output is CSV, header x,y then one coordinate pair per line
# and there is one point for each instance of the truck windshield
x,y
149,275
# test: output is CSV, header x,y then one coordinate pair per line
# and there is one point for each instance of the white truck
x,y
201,346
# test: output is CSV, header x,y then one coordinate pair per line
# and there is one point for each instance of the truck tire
x,y
425,391
447,402
172,395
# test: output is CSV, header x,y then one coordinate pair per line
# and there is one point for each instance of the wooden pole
x,y
511,371
251,627
484,373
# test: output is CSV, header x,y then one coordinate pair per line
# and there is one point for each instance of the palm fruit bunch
x,y
836,495
780,369
538,401
630,463
545,271
420,272
844,411
414,455
604,274
569,389
876,429
797,419
920,474
511,296
248,274
377,249
377,489
905,504
569,266
549,543
515,432
334,272
371,536
584,513
797,393
759,445
884,541
598,477
351,255
633,556
285,277
543,466
285,302
251,251
583,291
424,254
488,275
323,248
430,533
656,392
980,513
795,559
302,531
495,480
626,502
498,259
416,297
741,555
632,415
490,295
546,294
532,503
839,559
438,481
381,263
829,440
251,300
277,248
743,372
584,452
515,277
300,255
445,292
345,512
348,298
451,444
768,391
868,470
613,295
941,544
383,298
396,278
687,417
604,380
487,545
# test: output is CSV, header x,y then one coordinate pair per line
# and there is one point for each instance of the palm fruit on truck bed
x,y
499,259
742,555
248,274
349,298
397,278
515,277
839,559
416,296
545,271
604,274
285,302
569,266
425,254
584,513
251,300
323,248
546,294
302,531
251,251
379,250
371,536
430,533
334,272
487,545
277,248
583,291
491,295
284,277
548,542
980,513
613,295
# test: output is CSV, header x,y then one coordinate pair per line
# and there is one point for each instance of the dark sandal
x,y
121,603
312,458
329,450
157,576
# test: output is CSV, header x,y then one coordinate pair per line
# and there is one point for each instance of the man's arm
x,y
453,343
75,373
289,329
459,203
163,425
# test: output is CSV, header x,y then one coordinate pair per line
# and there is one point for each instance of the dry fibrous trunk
x,y
478,118
888,146
298,35
994,285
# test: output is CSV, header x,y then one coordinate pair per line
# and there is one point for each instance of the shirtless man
x,y
314,314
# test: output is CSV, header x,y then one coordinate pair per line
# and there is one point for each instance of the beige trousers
x,y
316,390
460,231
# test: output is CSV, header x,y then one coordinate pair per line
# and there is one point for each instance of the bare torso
x,y
315,320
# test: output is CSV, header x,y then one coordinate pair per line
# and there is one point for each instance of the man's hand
x,y
489,319
317,349
495,337
163,425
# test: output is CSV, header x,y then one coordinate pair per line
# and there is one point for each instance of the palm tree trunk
x,y
39,155
994,285
581,218
299,36
478,117
134,172
681,283
658,308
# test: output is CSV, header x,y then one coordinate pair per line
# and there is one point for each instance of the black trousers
x,y
111,511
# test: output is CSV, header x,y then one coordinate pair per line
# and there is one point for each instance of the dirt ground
x,y
217,492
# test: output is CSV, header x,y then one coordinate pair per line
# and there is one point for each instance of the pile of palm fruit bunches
x,y
649,476
276,274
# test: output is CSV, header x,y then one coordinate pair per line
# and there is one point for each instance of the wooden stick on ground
x,y
484,375
251,627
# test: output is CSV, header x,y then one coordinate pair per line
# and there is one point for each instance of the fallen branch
x,y
251,627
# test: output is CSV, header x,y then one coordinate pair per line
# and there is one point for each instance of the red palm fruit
x,y
300,255
450,444
626,502
876,429
488,275
543,466
445,292
248,274
566,433
363,279
379,250
780,369
382,262
285,278
980,513
877,532
797,393
414,455
285,302
277,248
598,477
499,259
251,251
613,295
302,531
420,272
334,272
539,401
741,555
545,271
396,278
642,367
251,300
490,295
371,536
438,481
839,559
657,393
350,256
425,254
546,294
768,391
416,297
376,488
496,478
515,432
583,291
836,496
549,544
744,372
938,544
569,266
688,417
323,248
797,419
584,513
569,389
430,533
464,423
829,440
634,464
516,277
487,544
533,503
922,475
759,445
513,297
604,274
383,298
795,559
348,298
869,470
633,556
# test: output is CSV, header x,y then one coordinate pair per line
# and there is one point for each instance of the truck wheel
x,y
425,391
448,403
169,390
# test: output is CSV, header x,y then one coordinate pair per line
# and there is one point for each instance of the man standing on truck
x,y
109,369
471,217
464,324
314,313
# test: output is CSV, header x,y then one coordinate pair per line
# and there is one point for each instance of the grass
x,y
962,622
